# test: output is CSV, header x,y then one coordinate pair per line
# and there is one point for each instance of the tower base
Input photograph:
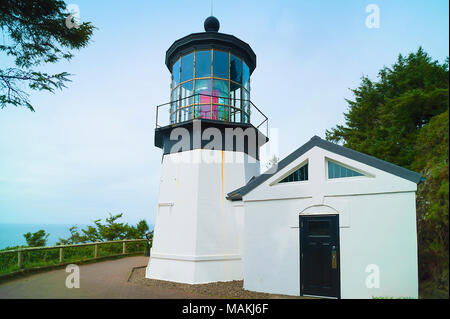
x,y
194,270
198,232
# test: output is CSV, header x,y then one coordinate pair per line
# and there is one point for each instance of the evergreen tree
x,y
403,118
109,231
386,116
35,33
432,200
37,239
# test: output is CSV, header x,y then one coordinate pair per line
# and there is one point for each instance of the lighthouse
x,y
210,140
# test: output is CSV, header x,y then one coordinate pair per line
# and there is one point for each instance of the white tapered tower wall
x,y
198,232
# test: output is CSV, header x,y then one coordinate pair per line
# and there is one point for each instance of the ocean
x,y
12,234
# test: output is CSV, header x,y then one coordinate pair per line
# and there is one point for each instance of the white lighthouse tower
x,y
210,148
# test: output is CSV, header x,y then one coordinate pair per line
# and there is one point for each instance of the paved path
x,y
106,279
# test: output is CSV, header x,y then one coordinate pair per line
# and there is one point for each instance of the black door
x,y
319,256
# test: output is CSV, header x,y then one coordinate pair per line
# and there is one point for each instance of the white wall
x,y
377,226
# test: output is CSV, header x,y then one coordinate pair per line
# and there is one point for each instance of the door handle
x,y
333,258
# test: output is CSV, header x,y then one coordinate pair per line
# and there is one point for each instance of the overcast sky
x,y
88,150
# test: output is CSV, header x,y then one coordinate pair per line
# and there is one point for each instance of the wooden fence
x,y
20,252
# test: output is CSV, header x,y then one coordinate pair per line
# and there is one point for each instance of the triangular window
x,y
299,175
339,171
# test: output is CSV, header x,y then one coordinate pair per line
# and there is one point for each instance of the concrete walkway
x,y
106,279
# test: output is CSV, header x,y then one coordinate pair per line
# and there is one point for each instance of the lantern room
x,y
210,76
210,84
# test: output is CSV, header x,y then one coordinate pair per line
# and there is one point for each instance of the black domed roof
x,y
212,24
211,39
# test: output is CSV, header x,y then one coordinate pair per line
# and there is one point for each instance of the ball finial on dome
x,y
212,24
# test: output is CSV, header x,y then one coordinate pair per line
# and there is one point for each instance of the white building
x,y
331,222
327,221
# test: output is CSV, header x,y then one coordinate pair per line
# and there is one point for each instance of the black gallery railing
x,y
211,107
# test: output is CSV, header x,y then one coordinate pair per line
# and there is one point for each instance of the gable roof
x,y
334,148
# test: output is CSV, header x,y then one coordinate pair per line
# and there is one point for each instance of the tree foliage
x,y
403,118
432,204
386,116
109,231
35,33
37,239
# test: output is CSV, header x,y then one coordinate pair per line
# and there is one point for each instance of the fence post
x,y
61,255
20,259
95,250
124,247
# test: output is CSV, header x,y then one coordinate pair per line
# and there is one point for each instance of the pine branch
x,y
12,80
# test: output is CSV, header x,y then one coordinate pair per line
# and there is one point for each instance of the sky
x,y
88,150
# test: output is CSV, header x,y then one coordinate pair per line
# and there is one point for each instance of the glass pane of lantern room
x,y
187,67
174,105
246,77
221,64
202,64
220,92
221,96
187,90
176,74
235,94
236,69
203,90
245,106
236,115
203,87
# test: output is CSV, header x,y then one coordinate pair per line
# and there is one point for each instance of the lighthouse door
x,y
319,256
